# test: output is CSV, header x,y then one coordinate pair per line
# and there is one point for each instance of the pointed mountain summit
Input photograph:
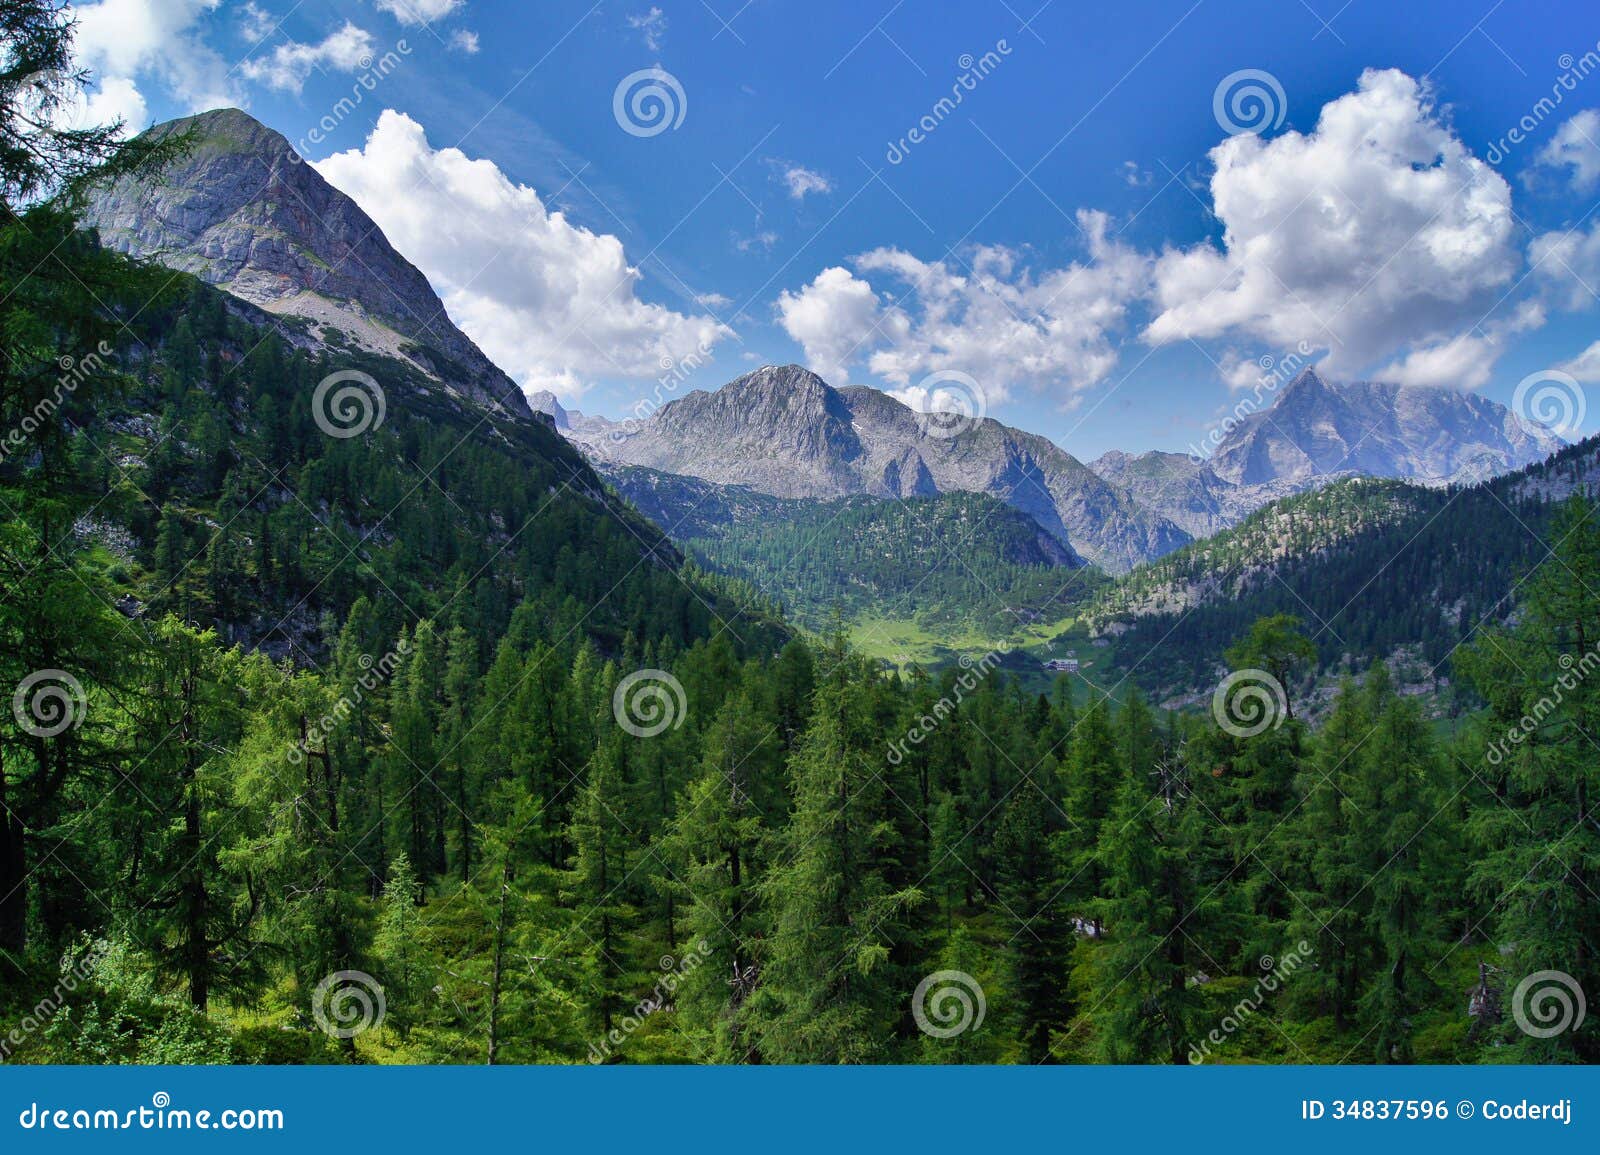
x,y
1317,431
241,210
784,431
1317,428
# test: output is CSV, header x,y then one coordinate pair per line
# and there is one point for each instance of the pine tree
x,y
1091,791
1030,885
826,995
1540,867
713,857
1157,920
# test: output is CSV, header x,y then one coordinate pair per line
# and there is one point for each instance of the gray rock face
x,y
783,431
1317,432
243,212
1188,492
545,402
1315,428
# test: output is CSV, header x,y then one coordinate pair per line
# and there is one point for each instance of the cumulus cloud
x,y
552,303
1377,235
418,11
999,320
832,318
118,99
286,67
121,40
464,40
1576,145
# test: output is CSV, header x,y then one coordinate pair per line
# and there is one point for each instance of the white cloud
x,y
1567,264
121,40
713,300
288,64
1001,322
1576,145
552,303
1377,235
652,26
463,40
801,181
256,22
418,11
1466,360
117,99
1585,366
760,241
832,318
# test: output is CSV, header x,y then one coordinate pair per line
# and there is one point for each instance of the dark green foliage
x,y
956,560
337,705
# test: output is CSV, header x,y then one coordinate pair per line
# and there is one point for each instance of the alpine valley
x,y
809,495
368,707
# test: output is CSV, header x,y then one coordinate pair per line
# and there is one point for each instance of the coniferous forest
x,y
422,746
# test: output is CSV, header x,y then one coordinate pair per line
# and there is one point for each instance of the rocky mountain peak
x,y
547,403
240,209
783,431
1316,428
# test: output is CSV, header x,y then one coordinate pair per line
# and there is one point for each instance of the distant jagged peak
x,y
1316,427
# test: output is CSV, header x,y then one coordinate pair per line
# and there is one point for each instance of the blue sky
x,y
1093,240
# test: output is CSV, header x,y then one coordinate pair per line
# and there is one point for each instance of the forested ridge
x,y
957,560
413,746
1373,566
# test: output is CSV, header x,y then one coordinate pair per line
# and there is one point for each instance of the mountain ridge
x,y
784,431
240,209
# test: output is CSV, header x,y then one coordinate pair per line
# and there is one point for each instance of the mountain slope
x,y
1315,428
1317,432
783,431
1186,490
232,501
1371,567
956,566
240,210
